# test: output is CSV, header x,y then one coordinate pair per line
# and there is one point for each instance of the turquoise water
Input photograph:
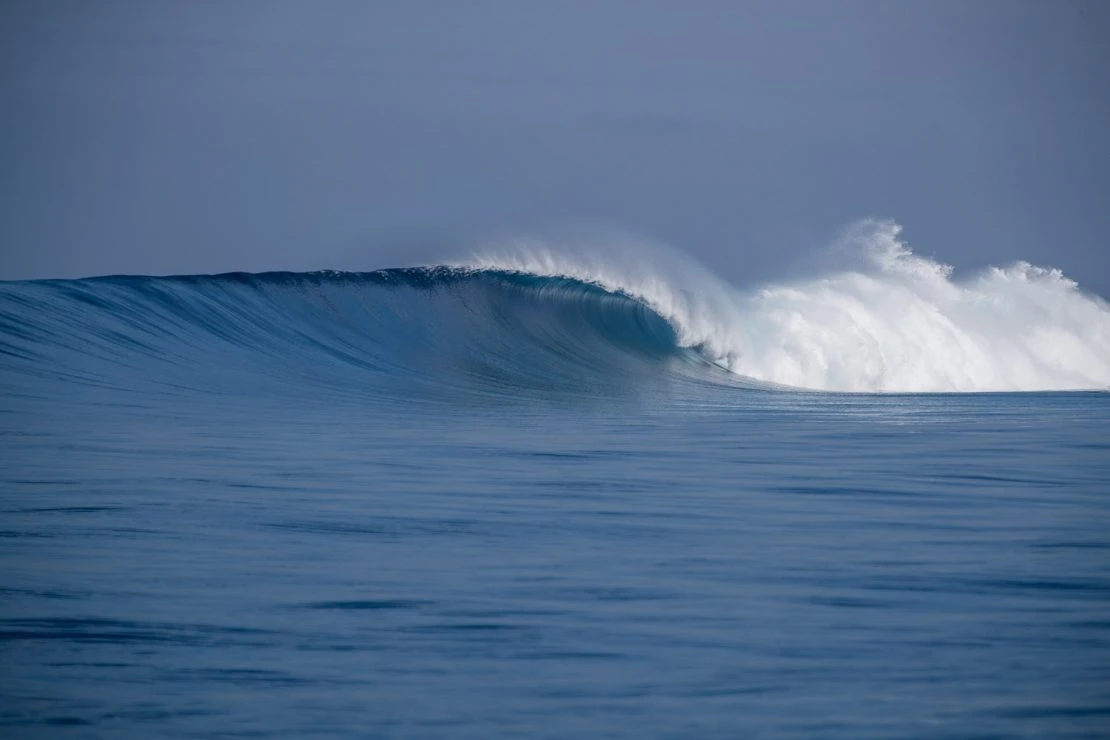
x,y
434,503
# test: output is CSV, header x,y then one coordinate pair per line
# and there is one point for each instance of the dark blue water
x,y
433,504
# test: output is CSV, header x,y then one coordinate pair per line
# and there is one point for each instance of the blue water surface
x,y
290,507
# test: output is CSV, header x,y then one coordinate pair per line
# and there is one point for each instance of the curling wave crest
x,y
892,322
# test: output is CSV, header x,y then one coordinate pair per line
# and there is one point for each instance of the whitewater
x,y
898,322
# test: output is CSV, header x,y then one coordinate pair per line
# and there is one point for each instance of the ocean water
x,y
544,498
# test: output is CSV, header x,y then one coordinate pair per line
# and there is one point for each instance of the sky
x,y
165,137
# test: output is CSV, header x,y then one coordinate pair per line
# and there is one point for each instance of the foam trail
x,y
896,322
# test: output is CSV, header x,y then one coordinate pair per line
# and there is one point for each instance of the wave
x,y
536,320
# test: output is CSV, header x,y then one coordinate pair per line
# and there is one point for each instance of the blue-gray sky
x,y
169,137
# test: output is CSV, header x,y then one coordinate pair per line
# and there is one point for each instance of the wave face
x,y
414,332
536,321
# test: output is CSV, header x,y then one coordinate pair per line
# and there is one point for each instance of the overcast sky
x,y
169,137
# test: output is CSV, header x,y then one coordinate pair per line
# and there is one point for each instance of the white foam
x,y
897,322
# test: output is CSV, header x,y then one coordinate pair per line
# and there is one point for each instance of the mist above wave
x,y
891,321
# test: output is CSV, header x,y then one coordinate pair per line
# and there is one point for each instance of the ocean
x,y
531,498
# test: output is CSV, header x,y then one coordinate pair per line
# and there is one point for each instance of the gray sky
x,y
167,137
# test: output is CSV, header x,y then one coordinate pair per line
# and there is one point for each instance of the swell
x,y
416,332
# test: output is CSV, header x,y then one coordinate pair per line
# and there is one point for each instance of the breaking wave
x,y
538,320
893,322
